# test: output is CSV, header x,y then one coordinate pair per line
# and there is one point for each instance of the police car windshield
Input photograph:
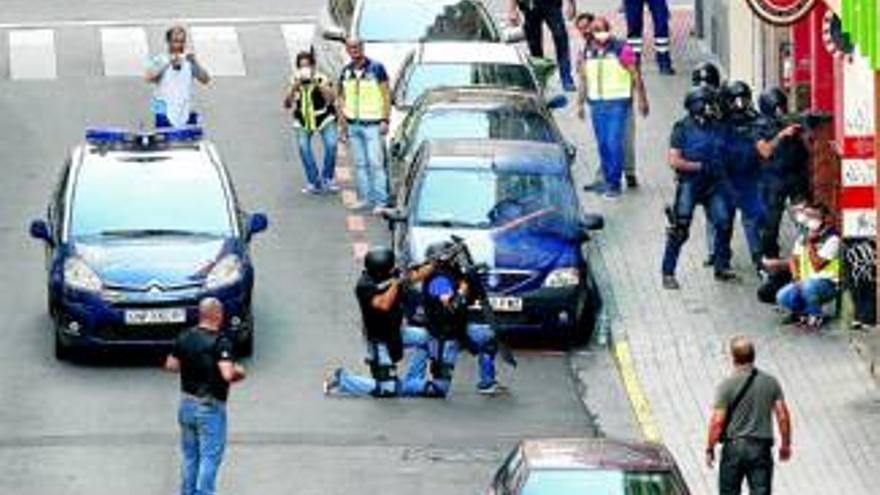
x,y
497,123
597,482
423,20
486,198
180,195
429,76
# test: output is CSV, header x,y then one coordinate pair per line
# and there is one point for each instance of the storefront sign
x,y
781,12
860,21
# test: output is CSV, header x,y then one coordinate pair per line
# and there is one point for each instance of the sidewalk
x,y
677,339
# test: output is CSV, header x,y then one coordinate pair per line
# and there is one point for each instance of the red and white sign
x,y
781,12
859,163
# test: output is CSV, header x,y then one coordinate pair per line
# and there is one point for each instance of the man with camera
x,y
173,74
381,294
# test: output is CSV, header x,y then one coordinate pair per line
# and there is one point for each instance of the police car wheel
x,y
246,347
63,352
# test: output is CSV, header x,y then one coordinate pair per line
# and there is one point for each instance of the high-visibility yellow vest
x,y
362,94
605,76
831,270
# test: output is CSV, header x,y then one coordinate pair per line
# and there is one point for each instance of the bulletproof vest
x,y
704,143
740,146
791,156
444,322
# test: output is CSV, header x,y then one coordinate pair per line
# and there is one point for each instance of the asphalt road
x,y
110,427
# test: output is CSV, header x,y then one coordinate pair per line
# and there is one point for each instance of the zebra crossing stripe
x,y
124,51
297,38
32,54
217,47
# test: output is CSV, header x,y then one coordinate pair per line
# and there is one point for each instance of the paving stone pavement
x,y
678,339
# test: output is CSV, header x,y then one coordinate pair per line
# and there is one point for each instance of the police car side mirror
x,y
257,222
40,230
591,223
557,102
513,34
333,33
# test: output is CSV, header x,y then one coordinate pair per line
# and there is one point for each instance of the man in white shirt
x,y
173,75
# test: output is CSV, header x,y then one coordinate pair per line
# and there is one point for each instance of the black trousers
x,y
533,22
776,194
747,459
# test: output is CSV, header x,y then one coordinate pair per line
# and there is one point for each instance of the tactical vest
x,y
362,92
312,111
443,322
605,76
831,270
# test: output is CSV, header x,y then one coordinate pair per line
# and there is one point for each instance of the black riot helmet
x,y
701,103
379,263
773,102
706,74
736,97
439,251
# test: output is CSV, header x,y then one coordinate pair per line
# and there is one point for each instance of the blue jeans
x,y
807,297
609,119
359,385
161,120
533,26
368,155
688,194
329,136
482,338
747,199
203,439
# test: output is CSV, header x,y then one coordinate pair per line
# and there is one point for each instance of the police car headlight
x,y
563,277
226,272
78,275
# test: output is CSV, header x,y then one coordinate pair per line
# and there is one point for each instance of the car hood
x,y
389,54
143,263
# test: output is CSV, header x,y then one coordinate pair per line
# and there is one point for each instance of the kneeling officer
x,y
695,153
380,294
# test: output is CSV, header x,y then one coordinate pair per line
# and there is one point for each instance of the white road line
x,y
191,21
218,48
297,38
124,51
32,54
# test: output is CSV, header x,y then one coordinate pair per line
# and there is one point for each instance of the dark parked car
x,y
594,466
475,113
515,205
138,229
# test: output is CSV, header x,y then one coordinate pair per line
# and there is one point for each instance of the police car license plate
x,y
506,304
155,316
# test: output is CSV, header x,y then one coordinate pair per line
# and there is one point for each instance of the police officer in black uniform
x,y
696,155
447,297
740,119
785,156
381,293
706,74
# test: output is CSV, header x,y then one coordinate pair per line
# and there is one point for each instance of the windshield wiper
x,y
136,233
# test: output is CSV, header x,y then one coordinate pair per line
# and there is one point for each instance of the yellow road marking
x,y
638,399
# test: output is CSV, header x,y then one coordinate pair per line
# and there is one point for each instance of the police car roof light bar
x,y
108,136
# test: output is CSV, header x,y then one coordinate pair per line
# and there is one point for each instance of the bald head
x,y
742,350
355,49
211,313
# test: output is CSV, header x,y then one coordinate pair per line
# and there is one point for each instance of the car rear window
x,y
598,482
425,77
424,20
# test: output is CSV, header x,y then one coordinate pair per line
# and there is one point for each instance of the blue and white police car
x,y
140,227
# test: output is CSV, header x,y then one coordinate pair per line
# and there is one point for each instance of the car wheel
x,y
63,352
585,325
246,347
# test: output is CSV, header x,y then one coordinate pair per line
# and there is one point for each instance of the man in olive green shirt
x,y
747,430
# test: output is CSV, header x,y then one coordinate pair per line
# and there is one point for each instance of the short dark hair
x,y
742,350
174,29
306,55
584,16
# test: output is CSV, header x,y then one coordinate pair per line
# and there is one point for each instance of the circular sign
x,y
781,12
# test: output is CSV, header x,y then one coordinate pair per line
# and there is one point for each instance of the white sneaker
x,y
359,206
331,186
311,189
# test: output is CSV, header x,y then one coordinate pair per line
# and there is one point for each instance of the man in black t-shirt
x,y
380,295
203,357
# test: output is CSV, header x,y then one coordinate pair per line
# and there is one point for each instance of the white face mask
x,y
814,224
800,218
602,36
304,73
